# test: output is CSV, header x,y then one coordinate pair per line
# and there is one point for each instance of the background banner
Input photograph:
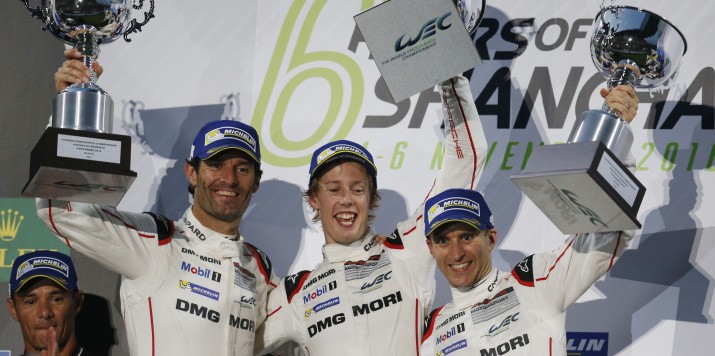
x,y
301,74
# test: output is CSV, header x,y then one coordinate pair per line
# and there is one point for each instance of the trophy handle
x,y
135,26
231,108
36,13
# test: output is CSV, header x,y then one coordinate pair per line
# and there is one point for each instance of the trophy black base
x,y
582,187
80,166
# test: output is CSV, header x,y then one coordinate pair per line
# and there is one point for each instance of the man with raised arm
x,y
189,287
517,312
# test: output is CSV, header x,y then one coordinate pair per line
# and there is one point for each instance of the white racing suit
x,y
371,298
522,312
185,290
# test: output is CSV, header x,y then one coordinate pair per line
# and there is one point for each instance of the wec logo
x,y
377,283
428,29
88,187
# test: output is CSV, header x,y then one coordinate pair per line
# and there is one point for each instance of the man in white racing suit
x,y
369,297
190,287
520,312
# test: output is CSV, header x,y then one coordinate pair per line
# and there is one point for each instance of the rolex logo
x,y
9,224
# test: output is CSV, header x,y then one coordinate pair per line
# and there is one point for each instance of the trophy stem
x,y
626,74
606,124
88,61
88,45
84,106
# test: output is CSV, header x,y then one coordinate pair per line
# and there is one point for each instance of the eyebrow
x,y
338,181
52,293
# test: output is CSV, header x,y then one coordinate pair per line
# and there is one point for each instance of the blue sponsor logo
x,y
322,306
198,289
201,272
454,347
324,289
587,344
449,333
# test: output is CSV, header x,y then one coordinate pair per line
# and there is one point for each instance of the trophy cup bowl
x,y
582,186
77,158
625,35
471,12
105,20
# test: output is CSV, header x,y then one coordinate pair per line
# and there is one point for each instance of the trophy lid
x,y
627,35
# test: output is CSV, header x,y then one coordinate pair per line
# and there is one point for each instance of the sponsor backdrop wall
x,y
301,74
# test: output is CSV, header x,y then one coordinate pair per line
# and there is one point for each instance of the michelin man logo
x,y
213,136
24,268
434,211
325,154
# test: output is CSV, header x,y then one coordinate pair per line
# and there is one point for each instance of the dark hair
x,y
196,162
313,186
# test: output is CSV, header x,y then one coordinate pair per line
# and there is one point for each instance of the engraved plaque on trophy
x,y
583,186
77,158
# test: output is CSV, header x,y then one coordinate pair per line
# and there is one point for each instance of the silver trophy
x,y
77,158
582,186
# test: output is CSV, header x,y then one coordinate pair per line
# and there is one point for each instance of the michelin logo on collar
x,y
229,132
329,152
447,204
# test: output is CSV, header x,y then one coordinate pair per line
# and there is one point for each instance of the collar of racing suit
x,y
464,297
338,253
208,241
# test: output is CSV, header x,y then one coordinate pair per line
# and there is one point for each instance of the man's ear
x,y
429,244
11,308
191,173
78,301
256,184
493,237
313,201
